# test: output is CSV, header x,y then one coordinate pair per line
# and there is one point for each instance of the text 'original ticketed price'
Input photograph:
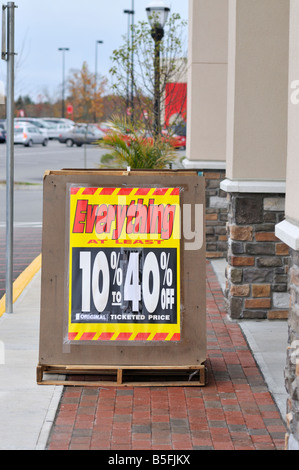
x,y
124,264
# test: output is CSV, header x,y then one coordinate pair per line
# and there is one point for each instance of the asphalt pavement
x,y
31,163
27,247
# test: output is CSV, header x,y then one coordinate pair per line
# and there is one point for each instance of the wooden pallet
x,y
123,376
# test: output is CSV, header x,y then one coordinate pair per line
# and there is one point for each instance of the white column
x,y
257,96
207,84
288,230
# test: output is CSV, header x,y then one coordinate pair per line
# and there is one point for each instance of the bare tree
x,y
140,75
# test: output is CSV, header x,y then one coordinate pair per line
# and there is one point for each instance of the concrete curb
x,y
22,281
49,419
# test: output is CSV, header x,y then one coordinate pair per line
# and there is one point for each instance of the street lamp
x,y
63,50
157,12
131,14
96,78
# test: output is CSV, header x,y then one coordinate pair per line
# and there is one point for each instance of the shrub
x,y
134,148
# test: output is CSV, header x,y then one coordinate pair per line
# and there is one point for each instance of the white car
x,y
28,134
57,128
43,126
52,120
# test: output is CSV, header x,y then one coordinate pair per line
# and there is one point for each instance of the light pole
x,y
8,21
96,79
63,50
130,14
130,101
157,13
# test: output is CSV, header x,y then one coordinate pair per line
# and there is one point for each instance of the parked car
x,y
2,133
178,136
28,134
57,128
106,127
79,135
43,126
174,140
50,120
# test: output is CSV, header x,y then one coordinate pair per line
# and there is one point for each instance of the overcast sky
x,y
42,26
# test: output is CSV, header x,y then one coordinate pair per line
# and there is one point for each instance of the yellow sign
x,y
124,264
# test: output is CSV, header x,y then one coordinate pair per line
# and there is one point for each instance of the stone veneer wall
x,y
216,214
257,270
292,362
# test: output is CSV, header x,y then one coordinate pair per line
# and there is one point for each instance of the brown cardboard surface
x,y
54,349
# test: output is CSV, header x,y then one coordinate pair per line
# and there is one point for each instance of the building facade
x,y
242,132
206,111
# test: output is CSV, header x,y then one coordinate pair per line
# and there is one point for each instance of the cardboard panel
x,y
69,253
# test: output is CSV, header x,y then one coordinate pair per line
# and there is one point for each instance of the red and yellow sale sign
x,y
124,264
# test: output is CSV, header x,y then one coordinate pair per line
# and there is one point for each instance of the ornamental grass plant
x,y
131,146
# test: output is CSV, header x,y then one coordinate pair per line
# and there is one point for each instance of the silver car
x,y
57,128
28,134
81,134
43,126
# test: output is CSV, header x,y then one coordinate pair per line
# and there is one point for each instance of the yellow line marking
x,y
22,281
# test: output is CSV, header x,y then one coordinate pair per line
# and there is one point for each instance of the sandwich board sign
x,y
123,269
124,264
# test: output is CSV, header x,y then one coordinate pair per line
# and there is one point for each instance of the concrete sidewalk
x,y
27,411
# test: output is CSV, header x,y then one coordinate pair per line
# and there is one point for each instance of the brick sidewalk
x,y
27,246
234,411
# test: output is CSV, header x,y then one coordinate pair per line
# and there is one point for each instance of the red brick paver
x,y
234,411
26,247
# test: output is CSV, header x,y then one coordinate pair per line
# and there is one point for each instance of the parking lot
x,y
29,168
31,162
